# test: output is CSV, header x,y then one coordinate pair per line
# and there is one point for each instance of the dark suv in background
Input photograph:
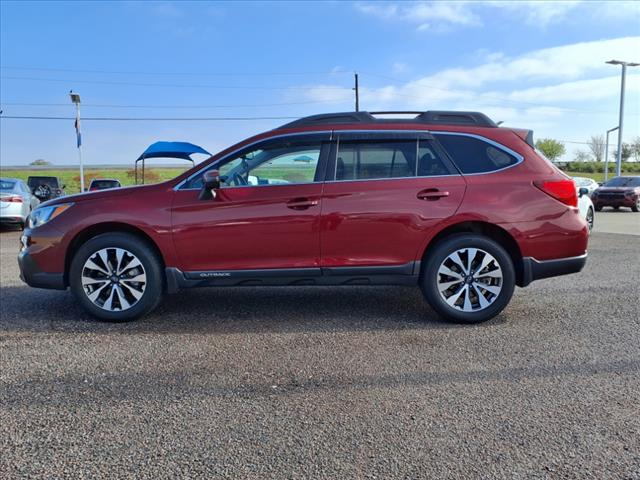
x,y
447,201
46,188
618,192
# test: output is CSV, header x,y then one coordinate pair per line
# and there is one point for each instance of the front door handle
x,y
301,203
432,194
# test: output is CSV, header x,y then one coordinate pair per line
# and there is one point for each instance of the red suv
x,y
446,201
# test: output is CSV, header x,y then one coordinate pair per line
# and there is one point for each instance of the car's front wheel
x,y
468,278
116,277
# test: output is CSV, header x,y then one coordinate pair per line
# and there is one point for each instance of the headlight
x,y
42,215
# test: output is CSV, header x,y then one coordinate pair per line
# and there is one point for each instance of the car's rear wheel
x,y
468,278
116,277
590,219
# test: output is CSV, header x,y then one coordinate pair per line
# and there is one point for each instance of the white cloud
x,y
577,91
537,13
439,16
424,14
399,67
565,62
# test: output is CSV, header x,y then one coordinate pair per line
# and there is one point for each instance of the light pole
x,y
75,98
620,121
606,154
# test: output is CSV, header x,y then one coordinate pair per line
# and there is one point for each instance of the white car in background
x,y
585,205
16,201
589,183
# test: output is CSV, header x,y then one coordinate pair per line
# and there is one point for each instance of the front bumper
x,y
614,202
31,274
533,269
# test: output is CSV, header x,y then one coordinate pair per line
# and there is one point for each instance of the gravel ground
x,y
327,382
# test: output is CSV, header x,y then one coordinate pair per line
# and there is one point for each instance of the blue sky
x,y
538,65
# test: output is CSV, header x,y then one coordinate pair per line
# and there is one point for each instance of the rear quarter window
x,y
474,155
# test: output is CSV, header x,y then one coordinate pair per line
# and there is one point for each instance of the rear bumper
x,y
533,269
31,274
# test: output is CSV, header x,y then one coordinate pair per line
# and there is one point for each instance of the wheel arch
x,y
496,233
108,227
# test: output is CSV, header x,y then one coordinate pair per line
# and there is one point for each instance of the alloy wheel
x,y
469,279
114,279
590,219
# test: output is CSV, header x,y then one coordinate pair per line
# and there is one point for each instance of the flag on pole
x,y
78,134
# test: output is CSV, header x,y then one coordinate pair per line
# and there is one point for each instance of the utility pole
x,y
75,98
357,90
621,120
606,154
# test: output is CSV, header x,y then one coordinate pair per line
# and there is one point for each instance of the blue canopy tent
x,y
182,150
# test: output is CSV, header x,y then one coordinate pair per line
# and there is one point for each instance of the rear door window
x,y
371,159
474,155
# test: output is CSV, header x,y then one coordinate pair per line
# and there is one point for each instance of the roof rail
x,y
431,117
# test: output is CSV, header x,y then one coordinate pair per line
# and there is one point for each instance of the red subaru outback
x,y
446,201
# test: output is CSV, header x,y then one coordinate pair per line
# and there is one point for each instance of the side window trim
x,y
322,138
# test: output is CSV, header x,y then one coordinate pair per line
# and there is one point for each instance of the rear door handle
x,y
301,203
432,194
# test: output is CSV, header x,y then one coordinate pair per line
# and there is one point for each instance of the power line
x,y
107,105
185,74
181,119
143,119
136,84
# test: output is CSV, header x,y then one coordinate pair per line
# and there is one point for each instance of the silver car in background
x,y
16,201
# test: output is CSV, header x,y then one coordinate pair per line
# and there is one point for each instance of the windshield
x,y
623,182
51,182
6,185
105,184
582,182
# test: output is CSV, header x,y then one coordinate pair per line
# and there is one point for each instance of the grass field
x,y
71,178
598,177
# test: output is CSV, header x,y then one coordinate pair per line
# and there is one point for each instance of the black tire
x,y
152,294
598,208
636,207
590,219
449,245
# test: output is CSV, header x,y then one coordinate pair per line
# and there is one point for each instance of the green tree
x,y
635,146
40,162
581,156
551,148
627,151
596,145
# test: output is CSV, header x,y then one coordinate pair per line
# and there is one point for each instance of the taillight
x,y
12,199
562,190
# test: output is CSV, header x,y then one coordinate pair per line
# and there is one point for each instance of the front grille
x,y
611,196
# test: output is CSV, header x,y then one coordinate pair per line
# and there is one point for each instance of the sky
x,y
531,64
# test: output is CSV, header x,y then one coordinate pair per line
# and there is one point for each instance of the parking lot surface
x,y
327,382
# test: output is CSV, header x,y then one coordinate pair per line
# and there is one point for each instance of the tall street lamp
x,y
624,75
75,98
606,154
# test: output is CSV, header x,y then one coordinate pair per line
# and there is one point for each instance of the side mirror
x,y
210,183
63,186
583,191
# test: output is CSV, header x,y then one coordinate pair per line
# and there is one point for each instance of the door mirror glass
x,y
583,191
